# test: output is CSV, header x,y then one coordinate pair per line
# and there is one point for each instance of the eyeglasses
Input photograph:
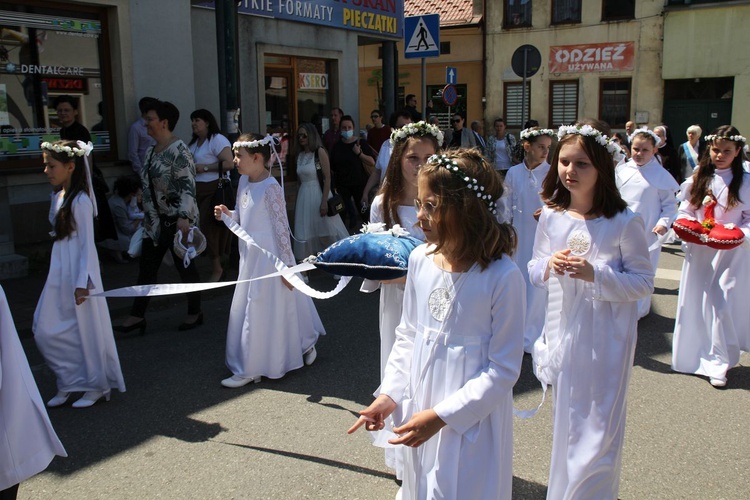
x,y
429,208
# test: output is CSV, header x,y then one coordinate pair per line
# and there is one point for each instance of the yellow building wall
x,y
647,91
465,56
711,42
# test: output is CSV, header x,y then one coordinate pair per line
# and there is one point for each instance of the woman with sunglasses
x,y
380,131
313,229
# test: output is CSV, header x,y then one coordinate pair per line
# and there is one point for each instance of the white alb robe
x,y
77,340
465,373
29,442
522,200
713,318
587,347
270,326
650,191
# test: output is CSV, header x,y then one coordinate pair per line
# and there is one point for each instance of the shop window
x,y
616,10
46,53
566,11
563,103
614,102
517,13
516,109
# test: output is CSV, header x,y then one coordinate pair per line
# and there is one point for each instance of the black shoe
x,y
189,326
141,325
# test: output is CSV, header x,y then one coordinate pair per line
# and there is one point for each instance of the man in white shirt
x,y
138,139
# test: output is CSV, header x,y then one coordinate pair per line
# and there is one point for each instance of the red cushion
x,y
722,238
690,230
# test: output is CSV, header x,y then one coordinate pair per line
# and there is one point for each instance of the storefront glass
x,y
46,53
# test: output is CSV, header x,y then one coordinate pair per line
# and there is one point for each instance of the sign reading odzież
x,y
591,57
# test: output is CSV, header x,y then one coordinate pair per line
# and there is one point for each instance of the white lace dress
x,y
312,232
270,326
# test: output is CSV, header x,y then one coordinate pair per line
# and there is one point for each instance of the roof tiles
x,y
452,12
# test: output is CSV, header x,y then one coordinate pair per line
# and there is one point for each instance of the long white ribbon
x,y
288,273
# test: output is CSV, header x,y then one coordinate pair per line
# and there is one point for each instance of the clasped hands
x,y
420,427
577,267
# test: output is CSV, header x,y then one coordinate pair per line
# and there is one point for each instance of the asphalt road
x,y
176,433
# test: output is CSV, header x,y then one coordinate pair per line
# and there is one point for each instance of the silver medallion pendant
x,y
440,302
579,242
245,200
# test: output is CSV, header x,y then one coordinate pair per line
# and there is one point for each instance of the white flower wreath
x,y
420,129
588,131
529,133
269,139
645,130
735,138
57,148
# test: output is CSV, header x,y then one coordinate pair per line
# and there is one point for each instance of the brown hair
x,y
64,221
706,169
461,217
607,200
393,184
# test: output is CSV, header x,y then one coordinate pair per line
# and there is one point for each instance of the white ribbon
x,y
190,252
87,148
288,273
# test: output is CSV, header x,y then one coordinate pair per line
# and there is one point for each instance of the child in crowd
x,y
450,375
522,204
649,190
272,327
591,254
711,327
412,146
74,334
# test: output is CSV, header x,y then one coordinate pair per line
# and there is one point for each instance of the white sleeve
x,y
384,156
483,393
277,209
636,278
668,208
83,215
537,266
686,209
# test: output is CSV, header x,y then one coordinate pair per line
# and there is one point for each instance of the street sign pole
x,y
424,89
523,92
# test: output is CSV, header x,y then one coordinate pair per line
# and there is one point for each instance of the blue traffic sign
x,y
451,75
422,36
450,95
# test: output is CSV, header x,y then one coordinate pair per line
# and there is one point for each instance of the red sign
x,y
77,84
591,57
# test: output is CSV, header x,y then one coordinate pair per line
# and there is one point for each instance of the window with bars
x,y
566,11
516,109
615,10
563,103
517,13
614,102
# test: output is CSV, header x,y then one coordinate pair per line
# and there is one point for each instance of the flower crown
x,y
267,140
735,138
71,152
645,130
588,131
470,182
421,129
529,133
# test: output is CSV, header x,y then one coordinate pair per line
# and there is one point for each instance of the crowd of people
x,y
520,254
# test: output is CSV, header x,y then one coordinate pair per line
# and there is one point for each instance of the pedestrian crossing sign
x,y
422,36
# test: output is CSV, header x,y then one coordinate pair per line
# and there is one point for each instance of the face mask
x,y
347,134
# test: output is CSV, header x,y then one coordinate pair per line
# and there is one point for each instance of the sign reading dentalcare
x,y
384,18
592,57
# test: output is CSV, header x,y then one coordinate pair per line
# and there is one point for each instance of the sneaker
x,y
310,355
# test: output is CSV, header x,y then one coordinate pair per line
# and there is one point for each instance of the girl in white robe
x,y
524,182
590,253
650,191
395,205
29,442
711,327
273,328
450,375
73,333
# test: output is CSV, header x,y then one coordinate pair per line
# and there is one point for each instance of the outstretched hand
x,y
373,417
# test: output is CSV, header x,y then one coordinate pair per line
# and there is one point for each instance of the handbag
x,y
224,194
335,201
136,243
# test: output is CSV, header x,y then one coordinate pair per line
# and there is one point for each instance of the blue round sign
x,y
450,95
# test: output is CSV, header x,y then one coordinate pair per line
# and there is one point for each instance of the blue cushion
x,y
375,256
